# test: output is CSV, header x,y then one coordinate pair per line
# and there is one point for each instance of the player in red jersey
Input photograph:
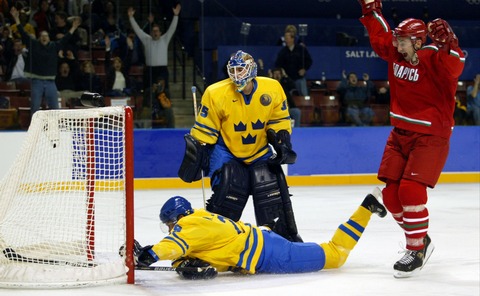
x,y
423,80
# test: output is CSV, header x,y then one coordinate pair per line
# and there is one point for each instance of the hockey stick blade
x,y
168,268
14,256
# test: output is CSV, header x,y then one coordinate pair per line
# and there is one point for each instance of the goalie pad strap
x,y
194,160
230,194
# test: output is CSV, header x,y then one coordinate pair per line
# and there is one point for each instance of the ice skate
x,y
372,203
413,261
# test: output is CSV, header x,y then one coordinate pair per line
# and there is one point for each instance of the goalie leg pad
x,y
230,194
271,200
267,198
194,160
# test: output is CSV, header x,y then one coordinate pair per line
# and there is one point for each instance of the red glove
x,y
371,5
442,34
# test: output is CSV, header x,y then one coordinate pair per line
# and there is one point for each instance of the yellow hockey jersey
x,y
223,243
242,121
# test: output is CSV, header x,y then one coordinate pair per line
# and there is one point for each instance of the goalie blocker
x,y
194,160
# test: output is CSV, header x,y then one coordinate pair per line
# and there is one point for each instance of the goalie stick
x,y
12,255
195,110
168,268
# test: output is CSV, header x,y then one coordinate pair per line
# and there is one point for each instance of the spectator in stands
x,y
88,79
156,98
261,69
6,46
75,7
288,86
113,27
295,60
68,71
61,28
32,9
15,57
90,20
138,56
41,64
59,5
27,27
44,18
4,11
460,114
156,47
473,100
118,82
383,95
355,96
67,77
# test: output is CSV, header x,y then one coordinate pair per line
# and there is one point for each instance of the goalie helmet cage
x,y
67,202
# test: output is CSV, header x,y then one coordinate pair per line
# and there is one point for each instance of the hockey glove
x,y
442,34
144,256
194,161
370,5
205,270
281,143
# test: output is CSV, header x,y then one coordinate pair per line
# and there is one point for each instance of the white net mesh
x,y
63,217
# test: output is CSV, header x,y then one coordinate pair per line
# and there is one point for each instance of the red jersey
x,y
422,97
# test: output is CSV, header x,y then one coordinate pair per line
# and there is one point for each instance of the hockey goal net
x,y
67,201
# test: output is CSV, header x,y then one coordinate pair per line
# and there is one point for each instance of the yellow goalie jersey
x,y
241,120
223,243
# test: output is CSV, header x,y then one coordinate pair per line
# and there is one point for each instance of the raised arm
x,y
173,25
136,28
26,38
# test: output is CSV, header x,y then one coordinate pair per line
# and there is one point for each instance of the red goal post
x,y
67,201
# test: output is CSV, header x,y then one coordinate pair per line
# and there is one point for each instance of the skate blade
x,y
405,274
378,194
430,249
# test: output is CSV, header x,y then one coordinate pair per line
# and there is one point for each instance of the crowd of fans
x,y
101,34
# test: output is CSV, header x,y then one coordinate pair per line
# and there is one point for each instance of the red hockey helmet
x,y
413,28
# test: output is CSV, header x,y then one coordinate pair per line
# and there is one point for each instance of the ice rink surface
x,y
453,268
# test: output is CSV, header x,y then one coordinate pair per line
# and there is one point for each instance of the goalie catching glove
x,y
205,270
283,147
442,34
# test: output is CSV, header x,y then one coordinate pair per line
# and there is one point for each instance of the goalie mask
x,y
174,207
410,28
241,69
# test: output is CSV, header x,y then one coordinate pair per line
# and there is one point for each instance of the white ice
x,y
453,268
